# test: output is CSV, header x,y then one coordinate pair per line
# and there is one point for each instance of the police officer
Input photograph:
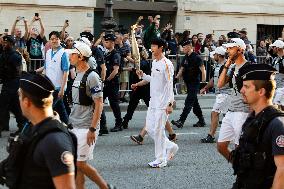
x,y
258,161
111,84
10,72
191,67
141,92
49,159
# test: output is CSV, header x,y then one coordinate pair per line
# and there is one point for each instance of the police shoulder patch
x,y
67,158
280,141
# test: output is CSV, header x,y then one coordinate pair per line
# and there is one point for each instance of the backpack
x,y
19,146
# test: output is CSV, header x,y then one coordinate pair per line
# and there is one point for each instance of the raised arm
x,y
41,28
223,78
14,26
62,35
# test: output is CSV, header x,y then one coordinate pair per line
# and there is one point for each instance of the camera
x,y
21,18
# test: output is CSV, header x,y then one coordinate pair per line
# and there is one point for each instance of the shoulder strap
x,y
268,115
52,126
85,76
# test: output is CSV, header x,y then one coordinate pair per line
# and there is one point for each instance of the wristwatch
x,y
92,129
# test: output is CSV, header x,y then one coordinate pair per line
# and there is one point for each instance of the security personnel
x,y
10,72
258,161
191,67
141,92
111,84
48,161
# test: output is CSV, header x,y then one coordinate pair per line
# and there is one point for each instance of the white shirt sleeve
x,y
146,77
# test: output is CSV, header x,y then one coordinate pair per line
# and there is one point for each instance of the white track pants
x,y
155,127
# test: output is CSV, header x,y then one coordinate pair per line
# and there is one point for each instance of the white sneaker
x,y
172,152
157,164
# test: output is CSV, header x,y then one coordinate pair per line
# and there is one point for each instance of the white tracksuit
x,y
161,92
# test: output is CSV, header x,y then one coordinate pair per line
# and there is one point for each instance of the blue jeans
x,y
58,106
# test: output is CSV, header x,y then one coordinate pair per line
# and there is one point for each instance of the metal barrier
x,y
35,64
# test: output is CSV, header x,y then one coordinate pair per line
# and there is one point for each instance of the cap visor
x,y
71,51
228,45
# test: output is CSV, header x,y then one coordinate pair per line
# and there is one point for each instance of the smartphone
x,y
6,30
36,14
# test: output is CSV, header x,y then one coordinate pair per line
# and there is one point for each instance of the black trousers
x,y
9,101
140,93
191,101
111,90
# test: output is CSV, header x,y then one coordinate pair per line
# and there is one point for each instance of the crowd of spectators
x,y
33,43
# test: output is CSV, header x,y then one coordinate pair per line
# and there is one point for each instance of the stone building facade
x,y
260,17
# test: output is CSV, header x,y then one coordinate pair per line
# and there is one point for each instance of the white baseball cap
x,y
80,48
236,42
277,43
220,50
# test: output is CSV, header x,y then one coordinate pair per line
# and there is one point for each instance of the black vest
x,y
84,99
20,169
253,162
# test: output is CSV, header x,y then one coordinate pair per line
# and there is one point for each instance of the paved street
x,y
123,163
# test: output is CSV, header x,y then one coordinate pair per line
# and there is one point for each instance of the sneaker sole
x,y
158,165
136,141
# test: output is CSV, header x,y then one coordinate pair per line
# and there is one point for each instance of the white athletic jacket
x,y
161,83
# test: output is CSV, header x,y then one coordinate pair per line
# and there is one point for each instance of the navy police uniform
x,y
142,92
261,139
111,88
191,76
53,153
10,72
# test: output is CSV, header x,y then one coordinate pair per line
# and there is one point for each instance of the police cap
x,y
186,42
233,35
88,35
109,37
9,39
257,72
37,85
159,41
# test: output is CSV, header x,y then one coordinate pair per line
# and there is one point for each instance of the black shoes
x,y
177,123
200,123
172,137
116,128
124,124
138,139
103,132
208,139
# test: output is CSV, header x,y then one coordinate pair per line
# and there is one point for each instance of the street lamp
x,y
108,23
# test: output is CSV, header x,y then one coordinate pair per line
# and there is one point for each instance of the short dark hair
x,y
56,33
268,85
38,102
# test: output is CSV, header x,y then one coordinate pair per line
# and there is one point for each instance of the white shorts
x,y
221,104
232,126
279,97
84,151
